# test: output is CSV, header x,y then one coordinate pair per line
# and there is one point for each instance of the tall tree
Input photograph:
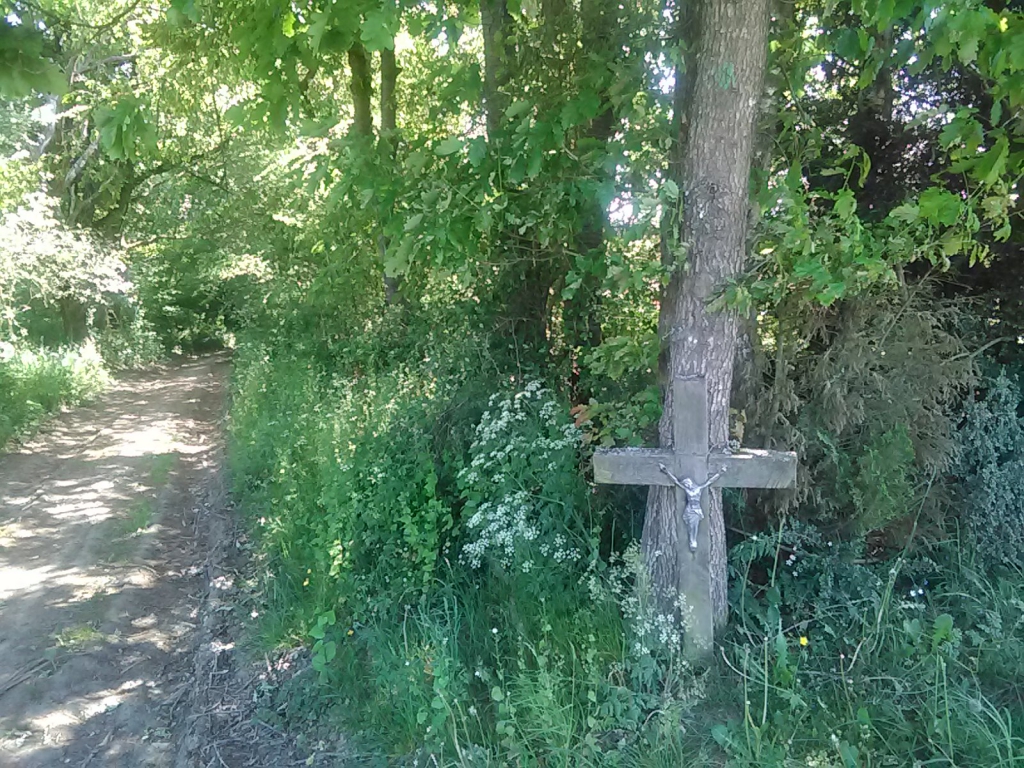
x,y
721,82
389,140
495,23
360,85
602,43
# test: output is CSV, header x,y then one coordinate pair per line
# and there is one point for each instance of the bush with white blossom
x,y
525,501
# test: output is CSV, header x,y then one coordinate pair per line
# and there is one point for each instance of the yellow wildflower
x,y
803,640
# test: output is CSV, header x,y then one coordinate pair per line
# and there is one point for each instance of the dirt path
x,y
104,573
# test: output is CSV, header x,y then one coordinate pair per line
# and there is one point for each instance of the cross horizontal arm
x,y
743,469
632,466
754,469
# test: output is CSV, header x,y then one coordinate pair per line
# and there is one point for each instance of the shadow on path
x,y
102,571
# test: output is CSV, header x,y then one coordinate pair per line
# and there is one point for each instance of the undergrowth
x,y
35,383
426,530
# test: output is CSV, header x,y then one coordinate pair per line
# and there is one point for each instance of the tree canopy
x,y
459,245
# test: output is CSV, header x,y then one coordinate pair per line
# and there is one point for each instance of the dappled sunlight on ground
x,y
99,572
20,579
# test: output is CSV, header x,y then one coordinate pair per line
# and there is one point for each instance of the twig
x,y
217,753
96,750
20,676
982,348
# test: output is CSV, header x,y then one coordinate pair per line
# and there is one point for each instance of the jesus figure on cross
x,y
692,513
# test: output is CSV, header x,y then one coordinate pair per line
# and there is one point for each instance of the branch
x,y
212,182
982,348
304,88
148,241
78,167
166,166
54,19
121,59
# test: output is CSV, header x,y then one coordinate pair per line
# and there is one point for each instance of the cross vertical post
x,y
691,465
690,445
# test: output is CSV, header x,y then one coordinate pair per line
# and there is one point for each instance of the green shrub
x,y
865,393
990,465
428,533
844,663
525,500
36,383
353,478
437,549
131,344
17,179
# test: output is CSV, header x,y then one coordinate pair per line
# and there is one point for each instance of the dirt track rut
x,y
103,571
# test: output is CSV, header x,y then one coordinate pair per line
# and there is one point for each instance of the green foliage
x,y
52,272
469,640
17,179
37,383
67,312
324,650
25,66
990,465
865,393
126,130
441,556
186,299
525,505
876,477
842,207
845,664
131,343
353,476
441,318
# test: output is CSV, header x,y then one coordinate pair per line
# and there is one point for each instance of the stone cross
x,y
691,466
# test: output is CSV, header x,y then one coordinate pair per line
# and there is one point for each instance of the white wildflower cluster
x,y
918,591
628,584
560,550
791,562
499,442
498,527
521,442
654,651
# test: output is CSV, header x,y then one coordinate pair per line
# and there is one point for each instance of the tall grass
x,y
408,518
35,383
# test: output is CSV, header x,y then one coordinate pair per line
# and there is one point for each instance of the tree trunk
x,y
727,71
112,222
522,287
75,319
750,358
601,37
360,85
495,21
388,129
388,99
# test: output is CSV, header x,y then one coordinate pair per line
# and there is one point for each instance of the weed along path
x,y
104,572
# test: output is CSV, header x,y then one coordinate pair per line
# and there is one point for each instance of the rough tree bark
x,y
495,22
388,98
750,355
361,87
722,83
388,129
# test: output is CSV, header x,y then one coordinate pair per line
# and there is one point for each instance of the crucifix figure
x,y
692,514
680,466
